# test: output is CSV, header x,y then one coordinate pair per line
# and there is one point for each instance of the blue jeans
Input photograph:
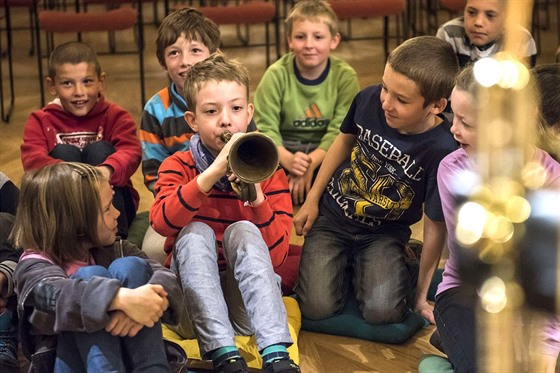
x,y
246,299
334,261
94,154
454,312
102,352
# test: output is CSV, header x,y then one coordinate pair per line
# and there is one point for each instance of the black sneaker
x,y
8,349
234,365
282,366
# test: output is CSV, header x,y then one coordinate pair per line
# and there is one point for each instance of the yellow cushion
x,y
247,345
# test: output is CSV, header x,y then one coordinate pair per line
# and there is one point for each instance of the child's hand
x,y
426,310
218,168
121,325
145,304
304,219
300,186
106,171
297,188
221,161
298,164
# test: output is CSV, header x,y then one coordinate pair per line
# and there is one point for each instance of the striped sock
x,y
274,352
223,354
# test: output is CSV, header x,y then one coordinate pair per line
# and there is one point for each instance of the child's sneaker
x,y
8,342
235,365
8,349
282,366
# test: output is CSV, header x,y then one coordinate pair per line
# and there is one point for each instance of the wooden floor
x,y
319,353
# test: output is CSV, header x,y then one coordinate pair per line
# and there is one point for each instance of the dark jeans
x,y
455,319
8,253
102,352
6,224
95,154
333,261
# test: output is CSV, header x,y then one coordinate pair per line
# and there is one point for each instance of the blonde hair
x,y
217,68
58,211
312,10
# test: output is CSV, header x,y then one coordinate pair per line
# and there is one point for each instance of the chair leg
x,y
6,113
244,39
386,36
38,52
267,41
32,16
141,56
156,16
277,36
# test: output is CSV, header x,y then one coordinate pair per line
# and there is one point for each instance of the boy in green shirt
x,y
303,97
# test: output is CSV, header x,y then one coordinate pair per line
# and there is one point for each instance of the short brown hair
x,y
218,68
193,24
73,52
58,211
313,10
428,61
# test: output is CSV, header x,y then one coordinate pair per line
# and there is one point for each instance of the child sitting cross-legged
x,y
86,300
80,125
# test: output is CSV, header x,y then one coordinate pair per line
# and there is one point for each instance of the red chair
x,y
65,21
246,13
355,9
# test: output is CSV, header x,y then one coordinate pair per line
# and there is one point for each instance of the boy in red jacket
x,y
80,126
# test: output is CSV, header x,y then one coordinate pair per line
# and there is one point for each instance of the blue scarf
x,y
203,158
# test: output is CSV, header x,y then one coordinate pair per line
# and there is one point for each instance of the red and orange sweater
x,y
179,202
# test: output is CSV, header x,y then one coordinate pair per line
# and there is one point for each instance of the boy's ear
x,y
52,88
190,117
335,41
250,111
439,106
101,82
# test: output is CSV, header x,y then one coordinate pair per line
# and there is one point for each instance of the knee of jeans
x,y
197,228
242,236
85,273
96,153
130,267
317,308
383,315
240,228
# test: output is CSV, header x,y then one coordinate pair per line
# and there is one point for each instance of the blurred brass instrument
x,y
503,233
253,158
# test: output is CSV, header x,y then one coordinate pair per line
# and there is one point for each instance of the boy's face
x,y
220,106
181,56
403,104
484,21
107,220
312,42
464,120
77,86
